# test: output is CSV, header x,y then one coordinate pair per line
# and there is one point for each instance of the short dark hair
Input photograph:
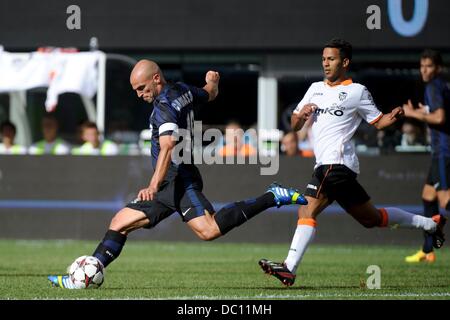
x,y
7,124
434,56
89,125
50,116
345,47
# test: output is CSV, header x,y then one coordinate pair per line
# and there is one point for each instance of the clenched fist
x,y
212,76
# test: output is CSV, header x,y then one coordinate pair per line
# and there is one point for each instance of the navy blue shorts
x,y
183,195
439,174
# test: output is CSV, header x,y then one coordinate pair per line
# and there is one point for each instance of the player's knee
x,y
207,234
118,224
443,203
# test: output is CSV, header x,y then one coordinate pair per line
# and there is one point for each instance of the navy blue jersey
x,y
173,110
437,95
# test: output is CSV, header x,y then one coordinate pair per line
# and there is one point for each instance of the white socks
x,y
306,229
406,219
304,234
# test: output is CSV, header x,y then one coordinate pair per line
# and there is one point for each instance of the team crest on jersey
x,y
342,96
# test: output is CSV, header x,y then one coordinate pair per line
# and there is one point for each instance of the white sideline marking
x,y
311,296
256,297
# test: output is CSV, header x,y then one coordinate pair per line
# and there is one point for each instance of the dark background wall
x,y
199,25
75,197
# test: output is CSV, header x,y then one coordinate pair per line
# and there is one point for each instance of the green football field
x,y
211,270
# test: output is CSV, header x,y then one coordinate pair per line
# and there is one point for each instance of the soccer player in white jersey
x,y
337,106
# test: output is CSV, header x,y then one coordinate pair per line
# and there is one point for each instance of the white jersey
x,y
340,111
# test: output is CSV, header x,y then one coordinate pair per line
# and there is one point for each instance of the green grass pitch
x,y
199,270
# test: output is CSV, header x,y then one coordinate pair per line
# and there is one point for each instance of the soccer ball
x,y
86,272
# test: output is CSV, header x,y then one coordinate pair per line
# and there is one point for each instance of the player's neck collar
x,y
345,82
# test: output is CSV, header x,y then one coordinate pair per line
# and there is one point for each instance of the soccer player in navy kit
x,y
434,113
176,185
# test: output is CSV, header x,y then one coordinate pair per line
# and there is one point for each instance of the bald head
x,y
147,79
144,70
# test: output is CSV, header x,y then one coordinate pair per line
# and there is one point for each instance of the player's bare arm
x,y
436,117
212,84
298,119
167,143
389,119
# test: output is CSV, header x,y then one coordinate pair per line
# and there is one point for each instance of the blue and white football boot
x,y
284,196
61,281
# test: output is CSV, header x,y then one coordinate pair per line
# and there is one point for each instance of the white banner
x,y
59,71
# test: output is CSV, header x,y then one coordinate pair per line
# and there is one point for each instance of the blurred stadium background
x,y
267,52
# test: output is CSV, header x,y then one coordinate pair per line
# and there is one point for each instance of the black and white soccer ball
x,y
87,272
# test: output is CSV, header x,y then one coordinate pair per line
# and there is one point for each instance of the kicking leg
x,y
211,226
205,227
237,213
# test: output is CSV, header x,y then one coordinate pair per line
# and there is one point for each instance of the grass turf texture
x,y
198,270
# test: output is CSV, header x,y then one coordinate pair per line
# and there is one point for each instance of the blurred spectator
x,y
8,132
236,142
285,119
411,135
145,142
366,135
92,144
388,139
51,144
289,144
303,137
305,140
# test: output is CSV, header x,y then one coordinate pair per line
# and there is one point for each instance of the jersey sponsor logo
x,y
334,111
182,101
342,96
311,186
317,94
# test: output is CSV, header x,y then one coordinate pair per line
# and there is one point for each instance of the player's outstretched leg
x,y
278,270
235,214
